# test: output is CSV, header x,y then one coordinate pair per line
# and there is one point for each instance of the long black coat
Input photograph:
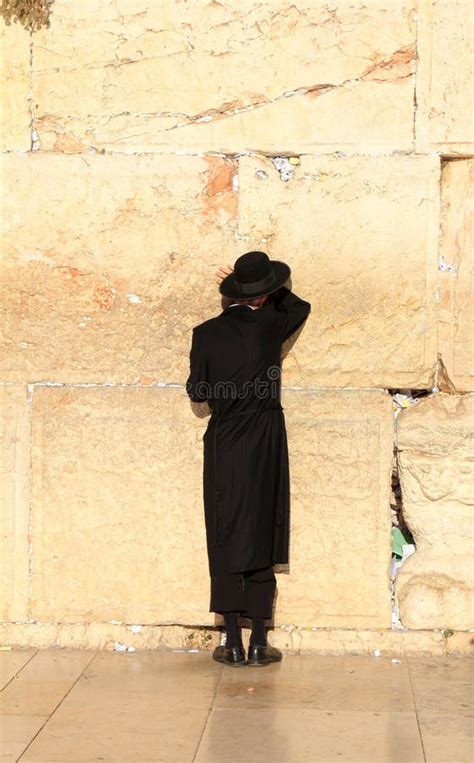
x,y
235,366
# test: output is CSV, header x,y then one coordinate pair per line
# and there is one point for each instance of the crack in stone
x,y
400,58
109,64
444,382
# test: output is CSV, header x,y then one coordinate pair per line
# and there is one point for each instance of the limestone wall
x,y
139,152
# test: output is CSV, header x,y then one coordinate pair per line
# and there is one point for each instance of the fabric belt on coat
x,y
221,529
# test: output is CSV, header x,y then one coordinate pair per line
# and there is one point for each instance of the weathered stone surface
x,y
15,109
117,515
108,292
435,439
289,638
117,486
109,262
444,79
132,75
456,277
340,463
14,504
361,235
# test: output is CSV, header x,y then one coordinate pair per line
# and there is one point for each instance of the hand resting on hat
x,y
223,271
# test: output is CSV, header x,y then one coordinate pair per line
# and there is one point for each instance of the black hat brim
x,y
229,288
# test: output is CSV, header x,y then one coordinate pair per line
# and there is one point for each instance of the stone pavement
x,y
67,706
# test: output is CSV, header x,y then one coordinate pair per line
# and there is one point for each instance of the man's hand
x,y
223,271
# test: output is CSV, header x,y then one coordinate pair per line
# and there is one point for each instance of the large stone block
x,y
435,585
14,502
127,75
456,277
15,107
444,79
117,515
341,447
108,263
362,235
118,526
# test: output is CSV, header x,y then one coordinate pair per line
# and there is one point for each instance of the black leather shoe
x,y
263,655
230,655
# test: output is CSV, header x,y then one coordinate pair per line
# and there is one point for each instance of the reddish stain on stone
x,y
104,298
316,90
222,112
219,176
219,195
73,272
68,397
394,69
68,144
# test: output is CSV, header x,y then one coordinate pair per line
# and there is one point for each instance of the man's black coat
x,y
235,365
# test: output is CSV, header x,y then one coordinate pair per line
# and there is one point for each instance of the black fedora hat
x,y
254,275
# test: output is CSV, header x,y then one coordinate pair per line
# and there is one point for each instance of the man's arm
x,y
291,311
197,386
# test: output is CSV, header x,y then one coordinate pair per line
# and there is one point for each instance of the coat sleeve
x,y
197,386
291,312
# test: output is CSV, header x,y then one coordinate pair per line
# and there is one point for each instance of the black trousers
x,y
251,593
